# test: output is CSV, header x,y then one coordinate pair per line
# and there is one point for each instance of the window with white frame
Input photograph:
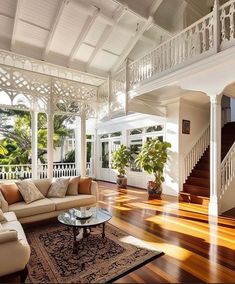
x,y
108,144
138,136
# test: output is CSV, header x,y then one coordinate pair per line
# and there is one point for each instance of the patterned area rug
x,y
97,261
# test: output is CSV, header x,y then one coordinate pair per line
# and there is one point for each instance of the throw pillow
x,y
85,185
29,191
58,187
2,218
73,186
11,193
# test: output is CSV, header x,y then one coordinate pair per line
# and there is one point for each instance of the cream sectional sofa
x,y
49,207
14,248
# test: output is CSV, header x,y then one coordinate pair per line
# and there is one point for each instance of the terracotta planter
x,y
154,189
121,182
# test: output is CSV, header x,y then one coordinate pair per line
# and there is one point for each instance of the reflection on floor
x,y
197,248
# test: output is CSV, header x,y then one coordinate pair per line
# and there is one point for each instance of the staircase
x,y
196,188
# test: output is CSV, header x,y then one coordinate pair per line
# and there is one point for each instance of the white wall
x,y
171,184
199,118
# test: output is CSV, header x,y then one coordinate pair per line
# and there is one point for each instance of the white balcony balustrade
x,y
15,172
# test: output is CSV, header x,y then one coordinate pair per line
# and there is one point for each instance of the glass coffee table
x,y
82,220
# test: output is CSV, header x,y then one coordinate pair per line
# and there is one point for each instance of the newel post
x,y
216,29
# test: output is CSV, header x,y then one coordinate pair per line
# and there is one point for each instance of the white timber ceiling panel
x,y
30,34
6,25
8,8
117,41
68,29
130,22
104,60
40,13
84,52
95,32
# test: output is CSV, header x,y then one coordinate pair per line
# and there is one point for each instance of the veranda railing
x,y
13,172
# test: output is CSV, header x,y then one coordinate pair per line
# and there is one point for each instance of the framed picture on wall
x,y
185,126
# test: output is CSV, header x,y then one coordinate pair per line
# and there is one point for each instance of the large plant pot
x,y
154,189
121,182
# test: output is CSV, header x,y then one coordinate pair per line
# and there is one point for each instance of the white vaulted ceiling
x,y
94,36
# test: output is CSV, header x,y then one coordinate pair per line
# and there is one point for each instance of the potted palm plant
x,y
152,158
120,160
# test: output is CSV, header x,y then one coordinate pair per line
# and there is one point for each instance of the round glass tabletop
x,y
84,217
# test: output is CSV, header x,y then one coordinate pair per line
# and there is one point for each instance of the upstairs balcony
x,y
210,35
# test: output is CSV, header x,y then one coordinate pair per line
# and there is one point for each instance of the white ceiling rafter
x,y
15,25
85,30
59,13
132,42
106,33
155,5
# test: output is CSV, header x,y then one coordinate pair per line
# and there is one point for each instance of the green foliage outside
x,y
153,157
15,128
121,159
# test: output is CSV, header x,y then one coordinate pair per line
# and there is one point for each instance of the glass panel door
x,y
105,154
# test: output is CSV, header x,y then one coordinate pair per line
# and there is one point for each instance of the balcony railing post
x,y
126,85
216,26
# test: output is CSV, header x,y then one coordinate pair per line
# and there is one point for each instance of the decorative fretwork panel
x,y
27,90
103,99
118,92
227,18
30,64
72,96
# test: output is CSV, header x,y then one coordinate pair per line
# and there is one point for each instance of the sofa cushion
x,y
22,209
73,201
58,187
15,225
73,186
42,185
10,216
2,217
11,193
29,191
85,185
3,203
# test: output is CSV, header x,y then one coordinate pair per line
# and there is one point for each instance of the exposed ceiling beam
x,y
132,42
106,33
57,18
15,25
85,30
155,5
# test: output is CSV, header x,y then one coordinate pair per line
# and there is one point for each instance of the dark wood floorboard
x,y
197,249
230,213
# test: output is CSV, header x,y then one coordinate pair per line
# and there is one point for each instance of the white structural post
x,y
83,144
77,133
34,143
215,154
126,85
216,29
50,144
96,155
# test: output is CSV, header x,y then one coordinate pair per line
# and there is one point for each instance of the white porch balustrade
x,y
14,172
208,36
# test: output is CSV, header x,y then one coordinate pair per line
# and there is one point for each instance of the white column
x,y
83,144
126,86
80,144
34,143
50,144
96,155
215,153
77,133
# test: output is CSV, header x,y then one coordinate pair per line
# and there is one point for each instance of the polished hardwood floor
x,y
196,248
